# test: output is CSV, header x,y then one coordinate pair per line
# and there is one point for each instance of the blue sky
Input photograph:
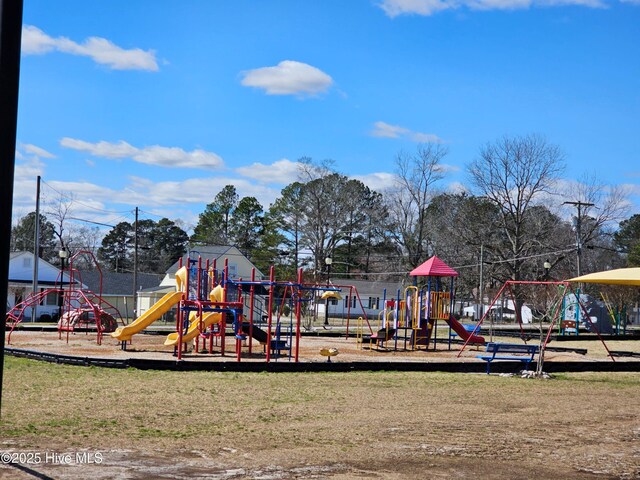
x,y
159,104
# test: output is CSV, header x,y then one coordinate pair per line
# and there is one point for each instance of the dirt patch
x,y
151,347
150,424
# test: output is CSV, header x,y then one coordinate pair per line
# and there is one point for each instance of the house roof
x,y
212,252
434,267
118,283
371,288
21,271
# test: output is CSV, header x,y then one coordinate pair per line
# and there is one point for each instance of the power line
x,y
91,221
70,198
153,214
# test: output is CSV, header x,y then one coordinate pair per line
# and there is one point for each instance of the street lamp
x,y
63,254
547,267
327,261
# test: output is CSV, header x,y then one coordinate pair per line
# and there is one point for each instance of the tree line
x,y
508,219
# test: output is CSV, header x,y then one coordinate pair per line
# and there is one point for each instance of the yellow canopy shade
x,y
331,294
620,276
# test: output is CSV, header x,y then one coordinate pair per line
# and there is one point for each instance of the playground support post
x,y
252,292
213,279
223,323
272,276
298,314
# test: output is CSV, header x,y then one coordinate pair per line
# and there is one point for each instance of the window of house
x,y
351,300
51,298
374,303
26,262
233,270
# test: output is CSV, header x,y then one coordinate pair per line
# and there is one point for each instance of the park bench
x,y
511,352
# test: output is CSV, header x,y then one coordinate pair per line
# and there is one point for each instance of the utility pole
x,y
135,266
481,310
578,204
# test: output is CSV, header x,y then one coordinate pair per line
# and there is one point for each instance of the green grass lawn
x,y
321,415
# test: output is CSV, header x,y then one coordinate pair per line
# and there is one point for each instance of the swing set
x,y
553,293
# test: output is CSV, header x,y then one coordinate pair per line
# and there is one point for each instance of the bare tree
x,y
514,173
417,173
601,207
59,211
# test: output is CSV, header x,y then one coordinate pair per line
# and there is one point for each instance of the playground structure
x,y
411,321
213,309
79,308
207,301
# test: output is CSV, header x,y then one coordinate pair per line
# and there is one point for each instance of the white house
x,y
371,294
21,282
239,267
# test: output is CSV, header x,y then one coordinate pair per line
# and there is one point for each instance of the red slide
x,y
462,332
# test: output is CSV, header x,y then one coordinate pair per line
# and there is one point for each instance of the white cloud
x,y
457,187
37,151
394,8
282,172
100,50
447,168
27,168
386,130
379,181
101,149
288,78
177,157
146,193
172,157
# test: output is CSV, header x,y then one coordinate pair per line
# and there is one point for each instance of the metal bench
x,y
511,352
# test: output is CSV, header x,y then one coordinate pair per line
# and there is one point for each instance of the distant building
x,y
239,267
21,283
371,294
117,288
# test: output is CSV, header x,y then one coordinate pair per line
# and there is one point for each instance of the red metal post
x,y
298,314
251,307
214,279
269,321
223,322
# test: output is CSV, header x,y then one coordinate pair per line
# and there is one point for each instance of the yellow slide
x,y
158,309
210,318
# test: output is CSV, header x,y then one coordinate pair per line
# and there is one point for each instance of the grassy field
x,y
326,425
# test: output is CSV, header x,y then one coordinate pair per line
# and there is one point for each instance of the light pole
x,y
547,267
327,261
63,254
